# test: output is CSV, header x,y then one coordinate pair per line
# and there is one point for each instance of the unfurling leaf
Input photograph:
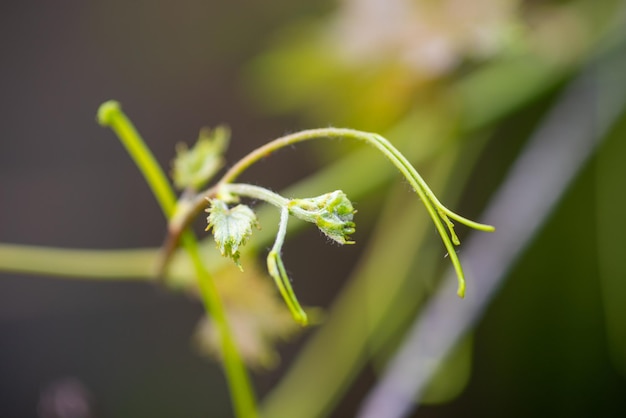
x,y
231,227
196,166
331,212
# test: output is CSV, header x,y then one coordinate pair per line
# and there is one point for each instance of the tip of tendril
x,y
461,290
106,112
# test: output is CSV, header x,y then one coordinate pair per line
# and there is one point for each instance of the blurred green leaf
x,y
196,166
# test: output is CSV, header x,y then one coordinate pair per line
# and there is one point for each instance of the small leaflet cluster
x,y
333,214
193,168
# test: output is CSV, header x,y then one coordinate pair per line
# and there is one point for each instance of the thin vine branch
x,y
110,114
438,213
277,270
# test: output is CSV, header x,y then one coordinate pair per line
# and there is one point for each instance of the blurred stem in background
x,y
611,173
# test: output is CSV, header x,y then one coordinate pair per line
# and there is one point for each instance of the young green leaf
x,y
231,227
196,166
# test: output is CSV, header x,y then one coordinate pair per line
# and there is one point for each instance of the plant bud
x,y
331,212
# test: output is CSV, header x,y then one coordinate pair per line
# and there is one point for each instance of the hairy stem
x,y
255,192
438,213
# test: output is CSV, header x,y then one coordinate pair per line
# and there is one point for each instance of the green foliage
x,y
196,166
231,227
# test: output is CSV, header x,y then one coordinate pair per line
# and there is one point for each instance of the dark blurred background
x,y
542,348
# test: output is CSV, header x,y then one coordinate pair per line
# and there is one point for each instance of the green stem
x,y
254,192
110,114
277,270
187,212
438,213
275,265
239,384
79,264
